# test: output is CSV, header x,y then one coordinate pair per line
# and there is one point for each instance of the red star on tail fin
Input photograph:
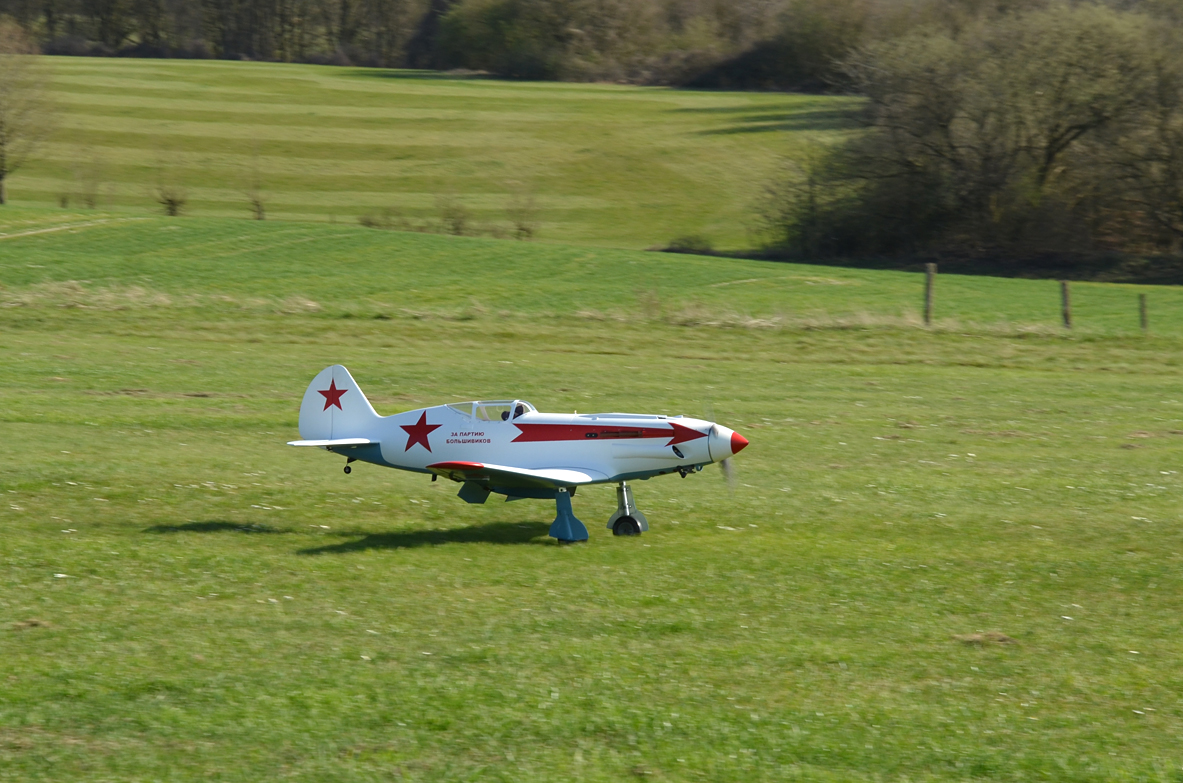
x,y
333,396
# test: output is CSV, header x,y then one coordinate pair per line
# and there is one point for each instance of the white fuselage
x,y
610,447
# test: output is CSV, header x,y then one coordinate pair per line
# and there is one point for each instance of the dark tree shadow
x,y
215,526
764,122
492,533
764,119
742,109
410,73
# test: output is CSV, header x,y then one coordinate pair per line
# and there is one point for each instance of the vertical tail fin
x,y
334,407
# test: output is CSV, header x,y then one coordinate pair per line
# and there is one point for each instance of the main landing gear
x,y
566,527
628,520
348,469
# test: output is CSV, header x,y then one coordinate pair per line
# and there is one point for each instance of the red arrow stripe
x,y
683,434
534,433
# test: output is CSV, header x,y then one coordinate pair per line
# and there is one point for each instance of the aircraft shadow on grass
x,y
492,533
214,526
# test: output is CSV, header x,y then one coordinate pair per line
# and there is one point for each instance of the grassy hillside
x,y
109,260
184,597
607,165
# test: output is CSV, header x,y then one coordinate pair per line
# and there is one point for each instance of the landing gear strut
x,y
348,469
566,527
628,520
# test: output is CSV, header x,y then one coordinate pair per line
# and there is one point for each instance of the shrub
x,y
691,243
173,198
1003,134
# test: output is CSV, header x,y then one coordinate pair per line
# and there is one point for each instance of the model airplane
x,y
508,447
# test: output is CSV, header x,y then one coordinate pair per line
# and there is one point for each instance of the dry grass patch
x,y
78,295
982,638
25,625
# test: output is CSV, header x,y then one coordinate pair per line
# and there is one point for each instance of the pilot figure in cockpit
x,y
517,411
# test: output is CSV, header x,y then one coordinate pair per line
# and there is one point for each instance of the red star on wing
x,y
418,432
333,396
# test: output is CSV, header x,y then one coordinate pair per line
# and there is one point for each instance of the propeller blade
x,y
724,465
728,473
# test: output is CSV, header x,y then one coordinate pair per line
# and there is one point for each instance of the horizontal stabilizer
x,y
325,444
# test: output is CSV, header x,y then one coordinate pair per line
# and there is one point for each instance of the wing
x,y
328,444
549,478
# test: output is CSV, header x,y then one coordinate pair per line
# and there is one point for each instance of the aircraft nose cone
x,y
725,442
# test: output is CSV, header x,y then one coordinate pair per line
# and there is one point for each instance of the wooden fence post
x,y
1066,304
1143,316
930,276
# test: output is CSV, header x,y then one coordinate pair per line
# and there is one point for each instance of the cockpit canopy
x,y
494,410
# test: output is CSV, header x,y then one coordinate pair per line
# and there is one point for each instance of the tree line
x,y
742,44
361,32
738,44
1054,130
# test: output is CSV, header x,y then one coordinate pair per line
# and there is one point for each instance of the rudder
x,y
335,407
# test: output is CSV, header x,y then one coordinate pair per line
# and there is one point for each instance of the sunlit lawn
x,y
605,165
185,597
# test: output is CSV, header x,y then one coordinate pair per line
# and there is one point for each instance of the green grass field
x,y
184,597
112,261
607,165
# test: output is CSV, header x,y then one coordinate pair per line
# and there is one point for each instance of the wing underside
x,y
506,476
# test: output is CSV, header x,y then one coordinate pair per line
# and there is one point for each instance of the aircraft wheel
x,y
626,526
348,470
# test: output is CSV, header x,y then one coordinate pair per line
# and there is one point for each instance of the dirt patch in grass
x,y
981,639
25,625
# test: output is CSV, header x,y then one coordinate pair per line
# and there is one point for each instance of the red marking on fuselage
x,y
534,433
418,432
683,434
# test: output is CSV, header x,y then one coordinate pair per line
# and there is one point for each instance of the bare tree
x,y
169,191
454,216
523,214
25,114
791,215
253,189
258,206
90,180
1145,157
172,197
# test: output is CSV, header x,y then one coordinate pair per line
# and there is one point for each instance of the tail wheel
x,y
626,526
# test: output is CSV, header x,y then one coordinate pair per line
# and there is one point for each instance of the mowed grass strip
x,y
346,270
606,164
186,597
